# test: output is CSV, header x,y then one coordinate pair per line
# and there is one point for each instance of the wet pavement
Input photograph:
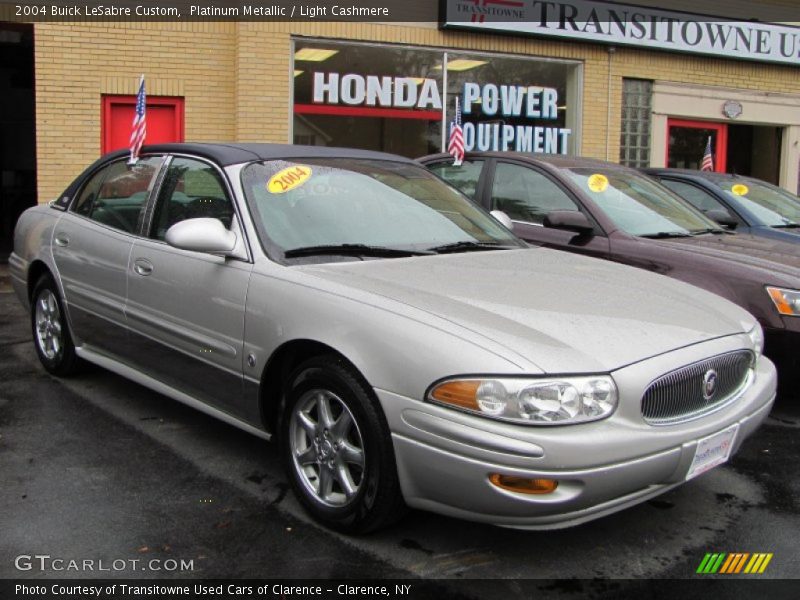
x,y
98,468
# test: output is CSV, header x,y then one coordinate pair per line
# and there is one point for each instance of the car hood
x,y
560,311
754,250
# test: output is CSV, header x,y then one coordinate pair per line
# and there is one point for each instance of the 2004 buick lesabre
x,y
402,346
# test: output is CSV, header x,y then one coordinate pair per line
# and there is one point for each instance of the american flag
x,y
708,158
456,144
139,126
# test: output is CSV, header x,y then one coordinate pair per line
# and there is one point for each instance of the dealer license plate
x,y
712,451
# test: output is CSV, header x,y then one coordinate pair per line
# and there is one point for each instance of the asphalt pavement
x,y
98,468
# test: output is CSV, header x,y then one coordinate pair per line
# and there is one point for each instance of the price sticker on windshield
x,y
288,179
598,183
740,189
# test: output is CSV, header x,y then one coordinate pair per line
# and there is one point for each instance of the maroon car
x,y
608,211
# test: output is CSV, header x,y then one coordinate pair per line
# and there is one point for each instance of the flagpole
x,y
445,133
139,125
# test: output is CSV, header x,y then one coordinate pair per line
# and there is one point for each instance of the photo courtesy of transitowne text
x,y
414,300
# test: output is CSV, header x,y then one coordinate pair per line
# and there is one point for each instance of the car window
x,y
115,196
772,205
191,189
637,204
525,194
464,178
378,203
694,195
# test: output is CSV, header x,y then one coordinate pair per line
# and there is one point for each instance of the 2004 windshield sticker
x,y
288,179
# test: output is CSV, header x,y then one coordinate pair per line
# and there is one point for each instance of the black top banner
x,y
377,11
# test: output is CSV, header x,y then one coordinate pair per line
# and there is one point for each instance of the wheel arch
x,y
283,361
35,271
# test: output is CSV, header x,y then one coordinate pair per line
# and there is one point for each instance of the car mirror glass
x,y
202,235
569,220
722,217
502,218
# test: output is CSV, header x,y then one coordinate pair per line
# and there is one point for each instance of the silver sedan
x,y
400,344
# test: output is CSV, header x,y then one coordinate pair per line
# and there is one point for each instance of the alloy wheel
x,y
327,448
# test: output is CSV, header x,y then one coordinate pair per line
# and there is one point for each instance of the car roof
x,y
710,175
556,160
225,154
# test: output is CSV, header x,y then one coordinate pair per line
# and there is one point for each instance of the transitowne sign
x,y
628,25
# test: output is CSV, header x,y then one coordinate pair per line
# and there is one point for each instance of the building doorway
x,y
687,140
742,149
17,129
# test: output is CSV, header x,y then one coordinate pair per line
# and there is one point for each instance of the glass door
x,y
686,144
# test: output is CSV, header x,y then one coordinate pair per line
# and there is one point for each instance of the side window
x,y
191,189
694,195
527,195
115,196
85,202
464,178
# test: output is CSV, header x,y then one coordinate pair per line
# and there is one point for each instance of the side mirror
x,y
502,218
569,220
202,235
723,217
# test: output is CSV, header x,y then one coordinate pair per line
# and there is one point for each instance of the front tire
x,y
337,448
51,335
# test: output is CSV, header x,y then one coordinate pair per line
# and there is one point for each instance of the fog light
x,y
523,485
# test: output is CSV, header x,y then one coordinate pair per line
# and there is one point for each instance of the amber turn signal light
x,y
458,393
780,301
523,485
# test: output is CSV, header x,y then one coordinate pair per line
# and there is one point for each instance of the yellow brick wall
x,y
77,62
236,78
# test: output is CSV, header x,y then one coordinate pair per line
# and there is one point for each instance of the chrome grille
x,y
679,395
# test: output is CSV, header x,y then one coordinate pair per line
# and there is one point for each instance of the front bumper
x,y
445,457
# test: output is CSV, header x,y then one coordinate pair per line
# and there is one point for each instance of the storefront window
x,y
402,100
516,104
366,96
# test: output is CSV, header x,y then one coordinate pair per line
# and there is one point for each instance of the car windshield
x,y
331,207
639,205
772,205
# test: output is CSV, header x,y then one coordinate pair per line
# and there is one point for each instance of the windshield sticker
x,y
288,179
740,189
598,183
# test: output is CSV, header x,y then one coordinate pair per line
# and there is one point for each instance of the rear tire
x,y
51,335
337,448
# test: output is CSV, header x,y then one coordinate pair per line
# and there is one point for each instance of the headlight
x,y
551,401
756,335
786,301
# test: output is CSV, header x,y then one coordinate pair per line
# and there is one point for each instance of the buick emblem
x,y
709,384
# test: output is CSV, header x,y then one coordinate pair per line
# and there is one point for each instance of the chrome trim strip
x,y
162,388
189,336
96,296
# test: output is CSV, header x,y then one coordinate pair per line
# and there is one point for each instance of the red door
x,y
164,121
686,143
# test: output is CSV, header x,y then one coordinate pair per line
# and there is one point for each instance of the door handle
x,y
62,240
143,267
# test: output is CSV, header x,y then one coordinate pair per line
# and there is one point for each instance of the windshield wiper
x,y
787,226
708,230
352,249
469,246
665,234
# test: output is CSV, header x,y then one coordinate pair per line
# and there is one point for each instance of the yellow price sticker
x,y
740,189
598,183
288,179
